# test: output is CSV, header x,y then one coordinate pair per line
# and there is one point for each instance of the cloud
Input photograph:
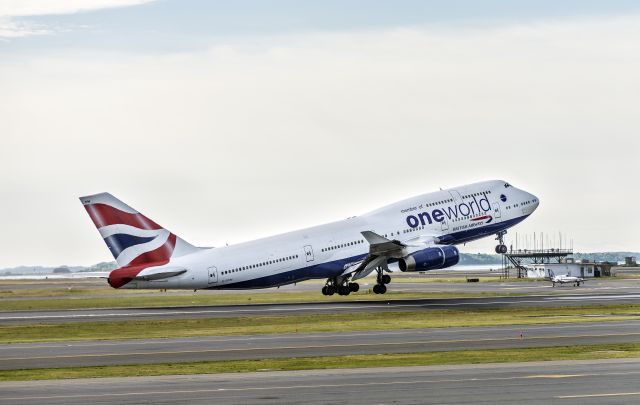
x,y
23,8
254,137
12,13
12,28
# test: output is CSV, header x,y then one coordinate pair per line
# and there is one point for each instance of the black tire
x,y
344,290
376,288
354,287
324,290
383,288
330,290
386,279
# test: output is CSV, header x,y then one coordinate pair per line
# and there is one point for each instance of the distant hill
x,y
34,270
479,258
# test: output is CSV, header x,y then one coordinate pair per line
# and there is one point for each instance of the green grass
x,y
213,298
360,321
66,291
586,352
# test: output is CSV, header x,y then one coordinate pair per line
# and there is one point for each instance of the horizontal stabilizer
x,y
159,275
119,277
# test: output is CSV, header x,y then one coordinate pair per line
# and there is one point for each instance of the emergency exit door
x,y
496,210
213,275
308,253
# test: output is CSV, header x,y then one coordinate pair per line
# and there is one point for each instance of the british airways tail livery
x,y
417,234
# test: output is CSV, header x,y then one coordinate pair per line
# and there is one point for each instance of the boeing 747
x,y
416,234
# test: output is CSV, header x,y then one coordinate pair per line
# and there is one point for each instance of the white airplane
x,y
417,234
565,279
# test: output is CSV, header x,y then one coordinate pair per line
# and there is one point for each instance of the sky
x,y
228,121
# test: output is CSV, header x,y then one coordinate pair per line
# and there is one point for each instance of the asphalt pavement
x,y
330,305
555,382
211,348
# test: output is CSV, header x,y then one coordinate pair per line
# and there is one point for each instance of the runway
x,y
210,348
561,382
400,282
331,305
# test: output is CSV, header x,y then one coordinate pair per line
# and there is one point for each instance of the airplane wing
x,y
382,249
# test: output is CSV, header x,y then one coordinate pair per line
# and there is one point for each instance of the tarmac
x,y
555,382
212,348
330,305
566,382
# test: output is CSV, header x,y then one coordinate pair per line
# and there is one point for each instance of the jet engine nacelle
x,y
430,259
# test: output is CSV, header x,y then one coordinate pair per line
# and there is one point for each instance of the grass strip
x,y
584,352
360,321
207,298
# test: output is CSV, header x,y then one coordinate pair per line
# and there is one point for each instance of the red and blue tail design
x,y
135,241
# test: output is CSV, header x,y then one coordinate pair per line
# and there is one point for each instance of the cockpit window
x,y
507,185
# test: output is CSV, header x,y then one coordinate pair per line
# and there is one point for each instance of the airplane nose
x,y
534,200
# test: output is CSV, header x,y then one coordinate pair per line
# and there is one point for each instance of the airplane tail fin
x,y
132,238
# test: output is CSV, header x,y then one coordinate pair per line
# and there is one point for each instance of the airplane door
x,y
445,225
308,253
455,195
496,210
213,275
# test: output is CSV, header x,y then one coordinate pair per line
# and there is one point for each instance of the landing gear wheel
x,y
330,290
354,287
501,248
386,279
324,290
379,289
344,290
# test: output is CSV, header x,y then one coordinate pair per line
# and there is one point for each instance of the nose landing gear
x,y
501,248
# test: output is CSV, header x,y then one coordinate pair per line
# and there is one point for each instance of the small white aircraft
x,y
417,234
565,279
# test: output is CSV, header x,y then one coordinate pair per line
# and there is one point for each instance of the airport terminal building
x,y
547,270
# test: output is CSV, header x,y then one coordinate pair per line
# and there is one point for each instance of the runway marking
x,y
253,349
556,376
307,386
613,394
595,297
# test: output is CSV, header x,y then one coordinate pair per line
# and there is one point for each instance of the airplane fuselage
x,y
445,217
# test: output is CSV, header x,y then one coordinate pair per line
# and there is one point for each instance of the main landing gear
x,y
342,287
501,248
382,279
